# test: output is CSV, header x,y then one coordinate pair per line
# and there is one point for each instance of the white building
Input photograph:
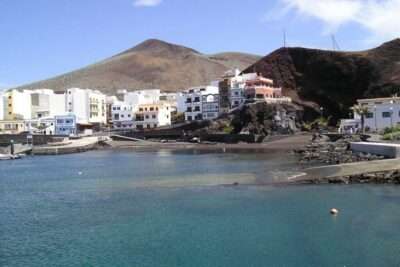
x,y
89,106
40,126
122,116
171,99
152,116
47,104
180,102
201,103
3,96
18,105
96,106
383,113
141,97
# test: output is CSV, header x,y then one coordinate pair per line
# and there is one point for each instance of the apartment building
x,y
122,116
88,106
232,88
262,89
201,103
17,105
152,116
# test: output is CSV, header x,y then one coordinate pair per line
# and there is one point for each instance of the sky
x,y
44,38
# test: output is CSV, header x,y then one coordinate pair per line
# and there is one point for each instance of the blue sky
x,y
43,38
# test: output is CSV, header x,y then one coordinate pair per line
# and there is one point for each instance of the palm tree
x,y
362,111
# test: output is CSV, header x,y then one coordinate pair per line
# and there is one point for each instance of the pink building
x,y
261,89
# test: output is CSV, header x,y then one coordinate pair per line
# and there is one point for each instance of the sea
x,y
192,208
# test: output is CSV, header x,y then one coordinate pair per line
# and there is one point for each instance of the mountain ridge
x,y
150,64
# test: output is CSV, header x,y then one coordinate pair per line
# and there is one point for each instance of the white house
x,y
201,103
122,116
136,98
383,112
152,116
40,126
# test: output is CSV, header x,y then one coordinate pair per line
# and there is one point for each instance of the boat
x,y
9,156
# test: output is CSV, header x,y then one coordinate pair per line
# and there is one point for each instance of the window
x,y
9,105
129,115
189,118
140,109
386,114
114,108
122,115
369,115
153,116
147,116
151,109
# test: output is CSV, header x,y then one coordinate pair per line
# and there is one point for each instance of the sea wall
x,y
5,139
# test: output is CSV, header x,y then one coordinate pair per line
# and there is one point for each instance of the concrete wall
x,y
383,149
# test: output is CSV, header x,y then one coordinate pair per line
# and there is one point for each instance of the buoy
x,y
80,173
334,211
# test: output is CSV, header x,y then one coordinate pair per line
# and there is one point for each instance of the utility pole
x,y
284,37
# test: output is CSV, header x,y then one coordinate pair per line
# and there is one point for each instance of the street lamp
x,y
322,112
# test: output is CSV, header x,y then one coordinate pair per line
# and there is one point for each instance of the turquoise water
x,y
165,209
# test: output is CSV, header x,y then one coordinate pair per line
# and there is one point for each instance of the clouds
x,y
147,3
380,18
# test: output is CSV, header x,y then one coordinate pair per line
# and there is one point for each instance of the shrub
x,y
391,136
229,129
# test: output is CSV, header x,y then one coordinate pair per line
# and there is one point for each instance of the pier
x,y
72,146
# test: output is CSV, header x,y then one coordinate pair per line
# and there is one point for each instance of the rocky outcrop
x,y
257,118
334,150
330,79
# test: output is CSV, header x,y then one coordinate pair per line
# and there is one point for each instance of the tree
x,y
362,111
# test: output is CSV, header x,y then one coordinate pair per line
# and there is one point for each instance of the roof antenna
x,y
335,44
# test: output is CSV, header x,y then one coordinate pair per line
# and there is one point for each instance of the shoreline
x,y
285,144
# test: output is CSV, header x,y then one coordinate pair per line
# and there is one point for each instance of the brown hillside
x,y
151,64
333,80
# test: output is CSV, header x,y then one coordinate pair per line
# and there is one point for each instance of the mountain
x,y
330,79
151,64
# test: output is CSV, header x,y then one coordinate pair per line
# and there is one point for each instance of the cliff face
x,y
333,80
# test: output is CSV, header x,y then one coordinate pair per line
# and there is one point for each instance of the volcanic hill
x,y
330,79
151,64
